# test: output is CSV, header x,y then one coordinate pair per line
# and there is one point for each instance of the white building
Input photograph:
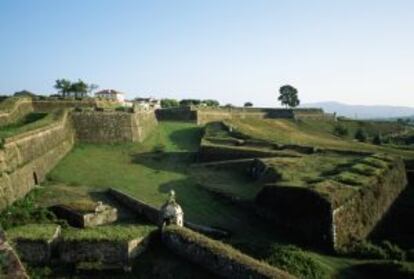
x,y
110,95
148,103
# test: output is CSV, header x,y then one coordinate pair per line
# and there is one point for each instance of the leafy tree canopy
x,y
79,88
169,103
211,103
288,96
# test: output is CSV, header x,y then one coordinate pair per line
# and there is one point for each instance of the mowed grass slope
x,y
318,133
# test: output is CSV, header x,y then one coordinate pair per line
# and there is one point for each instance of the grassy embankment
x,y
319,133
30,122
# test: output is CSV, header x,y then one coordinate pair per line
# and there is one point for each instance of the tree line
x,y
77,89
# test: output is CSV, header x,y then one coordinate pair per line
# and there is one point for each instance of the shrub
x,y
410,255
361,135
341,130
297,262
24,211
377,139
169,103
385,251
393,251
367,250
159,148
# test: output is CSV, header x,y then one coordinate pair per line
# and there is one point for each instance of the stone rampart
x,y
355,219
13,109
26,158
219,258
177,114
113,126
202,115
114,253
50,105
219,114
334,213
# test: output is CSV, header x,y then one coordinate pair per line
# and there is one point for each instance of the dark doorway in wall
x,y
36,181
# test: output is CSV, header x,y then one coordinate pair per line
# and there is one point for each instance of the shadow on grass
x,y
165,161
397,225
378,269
187,139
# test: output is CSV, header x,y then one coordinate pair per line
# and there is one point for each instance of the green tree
x,y
377,139
189,102
169,103
341,130
211,103
248,104
288,96
361,135
80,88
63,86
92,87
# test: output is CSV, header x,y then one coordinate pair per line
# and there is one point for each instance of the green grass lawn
x,y
146,175
32,232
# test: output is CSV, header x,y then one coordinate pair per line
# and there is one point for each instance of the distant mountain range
x,y
364,112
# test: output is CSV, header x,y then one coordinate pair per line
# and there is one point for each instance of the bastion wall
x,y
330,213
26,158
202,115
14,109
113,126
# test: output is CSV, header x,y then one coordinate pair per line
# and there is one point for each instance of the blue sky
x,y
358,52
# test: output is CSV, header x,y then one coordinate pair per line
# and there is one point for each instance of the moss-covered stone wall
x,y
205,115
301,211
14,109
113,126
26,158
219,258
336,213
355,219
50,105
177,114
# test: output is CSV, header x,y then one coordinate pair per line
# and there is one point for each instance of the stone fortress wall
x,y
202,115
331,214
26,158
13,109
113,126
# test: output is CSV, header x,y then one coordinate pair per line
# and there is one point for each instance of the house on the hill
x,y
148,103
110,95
